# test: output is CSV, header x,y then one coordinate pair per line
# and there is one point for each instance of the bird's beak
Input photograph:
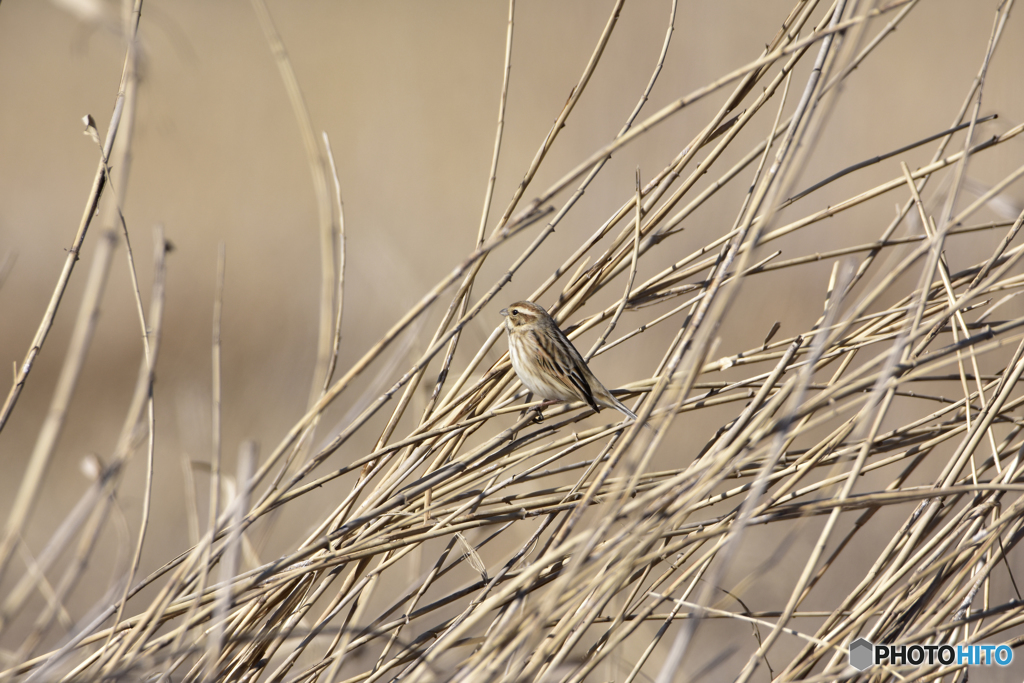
x,y
504,312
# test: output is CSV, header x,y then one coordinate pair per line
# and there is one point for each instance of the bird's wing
x,y
575,369
564,364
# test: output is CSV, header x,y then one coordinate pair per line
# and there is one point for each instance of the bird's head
x,y
523,313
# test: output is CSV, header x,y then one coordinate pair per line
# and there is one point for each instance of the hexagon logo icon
x,y
860,654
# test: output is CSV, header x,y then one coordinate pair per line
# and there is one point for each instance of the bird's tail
x,y
617,404
623,409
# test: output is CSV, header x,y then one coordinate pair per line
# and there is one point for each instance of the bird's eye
x,y
515,311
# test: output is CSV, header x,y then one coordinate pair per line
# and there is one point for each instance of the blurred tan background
x,y
408,92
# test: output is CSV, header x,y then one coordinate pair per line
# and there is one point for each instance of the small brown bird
x,y
548,364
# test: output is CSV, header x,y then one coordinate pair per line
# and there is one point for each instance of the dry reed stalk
x,y
551,548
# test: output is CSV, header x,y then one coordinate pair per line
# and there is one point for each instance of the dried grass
x,y
479,542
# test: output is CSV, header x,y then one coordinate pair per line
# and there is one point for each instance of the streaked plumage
x,y
548,364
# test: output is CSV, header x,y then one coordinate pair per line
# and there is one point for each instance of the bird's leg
x,y
538,417
524,411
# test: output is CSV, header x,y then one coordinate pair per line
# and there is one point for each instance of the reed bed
x,y
869,463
